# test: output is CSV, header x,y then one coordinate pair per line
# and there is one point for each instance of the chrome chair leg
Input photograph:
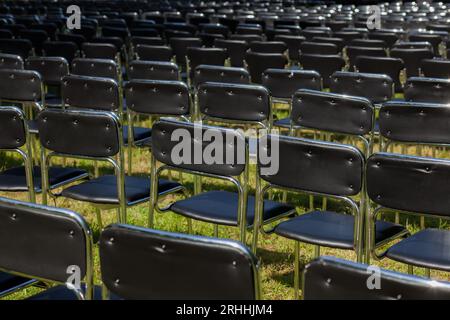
x,y
189,225
410,269
296,270
98,213
216,231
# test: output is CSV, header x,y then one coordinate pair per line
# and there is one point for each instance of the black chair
x,y
103,68
388,37
78,39
207,73
10,61
248,38
207,56
52,70
59,247
153,53
216,206
180,47
420,186
20,47
369,43
431,90
309,47
435,68
6,34
293,44
153,70
325,65
150,41
412,59
37,38
340,43
268,47
434,39
236,50
146,274
327,169
330,278
353,53
257,63
67,50
392,67
94,135
348,36
100,51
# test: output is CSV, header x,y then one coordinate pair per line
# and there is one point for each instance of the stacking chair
x,y
78,39
392,67
248,38
65,49
327,169
293,44
180,47
20,47
310,47
434,39
103,68
150,41
231,162
257,63
368,43
330,278
435,68
52,70
348,36
207,73
10,61
206,56
236,50
148,275
325,65
412,185
353,52
61,132
413,45
411,59
37,38
431,90
153,53
268,47
153,70
54,243
388,37
100,51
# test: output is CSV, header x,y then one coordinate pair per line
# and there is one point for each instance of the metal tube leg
x,y
397,217
189,225
422,222
296,270
410,269
216,231
316,251
311,203
427,272
130,158
98,213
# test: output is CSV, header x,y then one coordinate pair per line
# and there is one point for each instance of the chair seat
x,y
63,293
139,134
330,229
10,283
221,207
429,248
103,190
14,179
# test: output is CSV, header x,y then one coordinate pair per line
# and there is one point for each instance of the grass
x,y
276,253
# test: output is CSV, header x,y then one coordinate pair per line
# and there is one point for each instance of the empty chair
x,y
6,34
427,248
377,88
348,36
435,68
336,172
153,70
382,65
411,59
340,43
388,37
10,61
100,51
153,53
20,47
434,39
52,70
37,38
236,50
150,41
431,90
257,63
309,47
207,56
103,68
60,246
325,65
148,275
67,50
354,52
309,34
249,30
330,278
368,43
268,47
180,47
207,73
412,45
249,38
94,135
293,44
78,39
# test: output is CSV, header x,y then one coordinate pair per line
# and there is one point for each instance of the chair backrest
x,y
153,70
319,167
177,266
10,61
153,53
103,68
20,47
157,97
283,83
381,65
78,132
62,239
78,39
99,50
65,49
234,102
332,112
231,152
368,43
412,59
257,63
91,93
409,183
433,39
432,90
331,278
435,68
325,65
354,52
207,73
413,122
377,88
268,46
12,122
388,37
236,50
51,69
20,85
180,47
209,56
309,47
348,36
149,41
249,38
293,44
